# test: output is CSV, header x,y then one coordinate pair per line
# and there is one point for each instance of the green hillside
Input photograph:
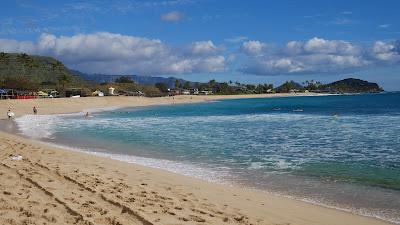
x,y
352,85
22,71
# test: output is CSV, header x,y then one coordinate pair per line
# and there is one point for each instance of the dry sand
x,y
55,186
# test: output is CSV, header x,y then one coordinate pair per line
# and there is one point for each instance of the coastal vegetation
x,y
31,73
352,85
38,71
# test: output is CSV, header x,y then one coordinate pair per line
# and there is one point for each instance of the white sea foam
x,y
168,165
256,165
283,164
103,109
38,126
41,126
44,126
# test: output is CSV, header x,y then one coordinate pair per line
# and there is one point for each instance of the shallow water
x,y
339,151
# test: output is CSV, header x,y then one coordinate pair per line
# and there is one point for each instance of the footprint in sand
x,y
197,219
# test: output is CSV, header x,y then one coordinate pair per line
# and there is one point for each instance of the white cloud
x,y
173,16
111,53
287,65
253,48
386,52
203,48
319,55
115,53
319,45
236,39
384,26
294,48
303,64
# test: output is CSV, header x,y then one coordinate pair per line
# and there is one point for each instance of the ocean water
x,y
337,151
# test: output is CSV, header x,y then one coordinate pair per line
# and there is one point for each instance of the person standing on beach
x,y
10,114
34,110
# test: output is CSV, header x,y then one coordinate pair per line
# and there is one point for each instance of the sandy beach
x,y
49,185
74,105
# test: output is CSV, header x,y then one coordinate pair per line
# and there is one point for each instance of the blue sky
x,y
246,41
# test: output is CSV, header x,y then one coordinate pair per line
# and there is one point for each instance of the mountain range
x,y
145,80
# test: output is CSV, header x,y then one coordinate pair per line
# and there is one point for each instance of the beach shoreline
x,y
160,197
48,106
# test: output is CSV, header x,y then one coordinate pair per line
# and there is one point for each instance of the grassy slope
x,y
40,70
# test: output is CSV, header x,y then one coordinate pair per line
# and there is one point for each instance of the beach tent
x,y
3,93
42,94
98,93
54,94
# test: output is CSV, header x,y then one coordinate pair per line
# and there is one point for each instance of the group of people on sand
x,y
10,114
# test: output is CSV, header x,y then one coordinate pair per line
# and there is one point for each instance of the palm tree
x,y
186,85
64,79
212,83
177,83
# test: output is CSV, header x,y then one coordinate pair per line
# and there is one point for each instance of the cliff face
x,y
352,85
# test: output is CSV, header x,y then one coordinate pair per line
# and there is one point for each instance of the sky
x,y
253,41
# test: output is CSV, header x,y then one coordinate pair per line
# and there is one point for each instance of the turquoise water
x,y
339,151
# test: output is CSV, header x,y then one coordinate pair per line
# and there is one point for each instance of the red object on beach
x,y
25,97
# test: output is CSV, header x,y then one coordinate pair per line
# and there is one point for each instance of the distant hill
x,y
352,85
144,80
37,70
287,86
349,85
